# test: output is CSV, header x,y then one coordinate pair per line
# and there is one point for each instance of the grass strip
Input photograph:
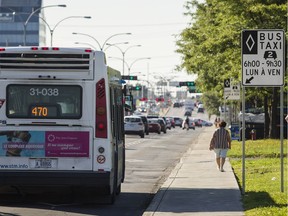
x,y
263,194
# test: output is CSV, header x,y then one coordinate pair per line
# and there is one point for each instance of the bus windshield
x,y
44,101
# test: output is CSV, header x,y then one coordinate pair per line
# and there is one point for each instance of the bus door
x,y
117,118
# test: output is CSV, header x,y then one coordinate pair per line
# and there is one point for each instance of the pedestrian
x,y
220,143
186,123
217,122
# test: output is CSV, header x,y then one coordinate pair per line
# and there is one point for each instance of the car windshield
x,y
153,121
132,120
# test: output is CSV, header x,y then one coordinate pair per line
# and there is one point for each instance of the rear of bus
x,y
55,119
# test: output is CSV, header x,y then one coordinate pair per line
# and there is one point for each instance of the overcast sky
x,y
154,25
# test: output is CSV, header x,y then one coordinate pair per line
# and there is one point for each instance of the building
x,y
13,16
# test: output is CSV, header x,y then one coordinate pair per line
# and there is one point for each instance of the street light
x,y
123,53
90,45
31,14
130,66
53,29
101,47
114,44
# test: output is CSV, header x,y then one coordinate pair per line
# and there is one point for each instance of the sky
x,y
153,24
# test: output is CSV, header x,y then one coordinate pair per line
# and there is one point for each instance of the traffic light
x,y
129,77
189,83
137,88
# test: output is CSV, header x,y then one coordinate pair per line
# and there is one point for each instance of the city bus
x,y
61,119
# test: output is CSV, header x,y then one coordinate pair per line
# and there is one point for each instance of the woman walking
x,y
220,143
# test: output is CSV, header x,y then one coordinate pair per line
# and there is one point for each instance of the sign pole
x,y
281,138
243,140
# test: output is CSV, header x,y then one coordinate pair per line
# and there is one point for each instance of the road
x,y
149,162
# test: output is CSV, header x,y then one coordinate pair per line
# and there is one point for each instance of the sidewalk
x,y
196,187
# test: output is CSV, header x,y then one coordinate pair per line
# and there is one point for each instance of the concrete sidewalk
x,y
196,187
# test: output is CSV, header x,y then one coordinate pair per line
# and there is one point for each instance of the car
x,y
197,122
172,121
145,121
142,109
176,104
191,124
168,124
188,113
134,125
200,110
154,126
162,123
178,121
167,121
206,123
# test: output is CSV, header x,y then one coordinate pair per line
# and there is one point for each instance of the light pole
x,y
114,44
123,53
100,47
130,66
31,14
70,17
86,44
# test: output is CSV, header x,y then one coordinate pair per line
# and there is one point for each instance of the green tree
x,y
211,46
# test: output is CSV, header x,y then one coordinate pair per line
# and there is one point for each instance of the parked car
x,y
134,125
154,126
145,121
197,122
178,121
206,123
162,124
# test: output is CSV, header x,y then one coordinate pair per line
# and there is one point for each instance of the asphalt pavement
x,y
197,187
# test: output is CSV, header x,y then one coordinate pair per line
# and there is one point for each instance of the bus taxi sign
x,y
263,57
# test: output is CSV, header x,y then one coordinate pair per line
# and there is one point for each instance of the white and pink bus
x,y
61,119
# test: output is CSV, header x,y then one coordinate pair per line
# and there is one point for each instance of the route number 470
x,y
39,111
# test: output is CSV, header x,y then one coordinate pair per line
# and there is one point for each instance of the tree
x,y
211,48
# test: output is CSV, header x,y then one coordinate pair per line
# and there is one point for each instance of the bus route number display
x,y
43,111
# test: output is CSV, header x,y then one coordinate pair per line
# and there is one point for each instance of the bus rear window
x,y
44,101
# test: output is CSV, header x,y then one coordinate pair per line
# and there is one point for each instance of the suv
x,y
134,125
145,121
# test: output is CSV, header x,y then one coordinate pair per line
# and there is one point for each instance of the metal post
x,y
243,140
281,138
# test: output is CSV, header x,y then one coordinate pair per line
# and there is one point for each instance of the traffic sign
x,y
263,57
231,90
